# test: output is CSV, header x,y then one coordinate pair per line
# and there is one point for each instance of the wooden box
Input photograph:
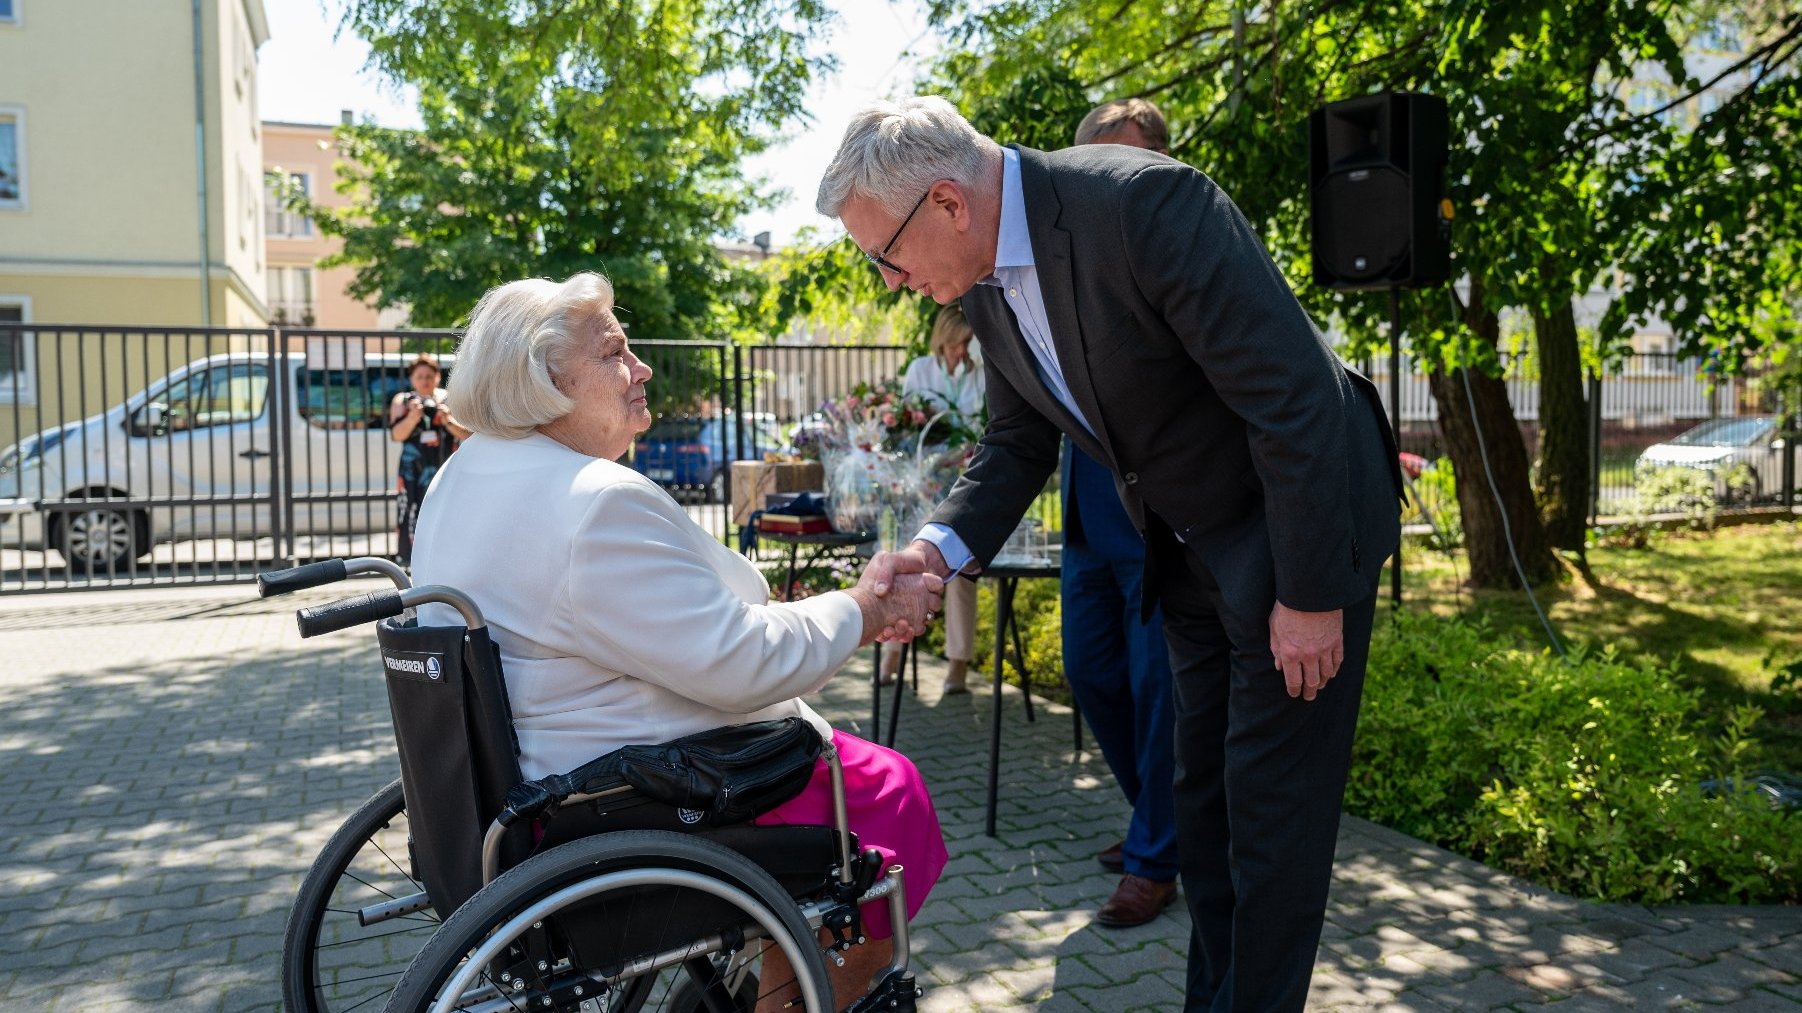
x,y
753,480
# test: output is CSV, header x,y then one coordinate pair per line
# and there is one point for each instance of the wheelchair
x,y
636,882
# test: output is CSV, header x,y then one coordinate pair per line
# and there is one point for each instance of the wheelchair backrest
x,y
458,751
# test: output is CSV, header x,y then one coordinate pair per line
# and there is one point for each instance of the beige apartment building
x,y
302,294
131,189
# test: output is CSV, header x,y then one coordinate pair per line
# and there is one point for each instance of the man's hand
x,y
919,557
1308,647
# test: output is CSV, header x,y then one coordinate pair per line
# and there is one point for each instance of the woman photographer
x,y
420,420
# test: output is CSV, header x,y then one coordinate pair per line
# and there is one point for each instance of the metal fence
x,y
166,456
1638,402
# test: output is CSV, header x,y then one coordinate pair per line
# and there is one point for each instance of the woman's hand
x,y
902,611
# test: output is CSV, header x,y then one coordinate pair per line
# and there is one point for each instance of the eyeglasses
x,y
881,259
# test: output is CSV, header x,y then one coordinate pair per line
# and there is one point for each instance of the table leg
x,y
894,711
1020,657
788,586
876,693
1004,608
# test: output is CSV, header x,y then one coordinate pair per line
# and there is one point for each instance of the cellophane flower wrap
x,y
890,458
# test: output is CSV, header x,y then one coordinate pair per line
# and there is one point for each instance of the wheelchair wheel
x,y
611,922
331,960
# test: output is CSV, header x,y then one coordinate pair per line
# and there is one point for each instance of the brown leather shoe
x,y
1136,901
1113,857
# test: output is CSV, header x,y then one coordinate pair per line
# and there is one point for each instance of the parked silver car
x,y
1742,456
211,450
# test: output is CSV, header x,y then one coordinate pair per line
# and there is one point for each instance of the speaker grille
x,y
1361,224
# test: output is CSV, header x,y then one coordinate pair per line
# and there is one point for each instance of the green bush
x,y
1583,776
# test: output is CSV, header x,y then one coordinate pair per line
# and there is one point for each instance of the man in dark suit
x,y
1122,299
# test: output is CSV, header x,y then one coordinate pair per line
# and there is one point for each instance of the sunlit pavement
x,y
174,759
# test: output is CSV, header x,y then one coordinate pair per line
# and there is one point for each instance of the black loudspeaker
x,y
1376,172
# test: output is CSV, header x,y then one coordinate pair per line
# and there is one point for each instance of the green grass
x,y
1725,605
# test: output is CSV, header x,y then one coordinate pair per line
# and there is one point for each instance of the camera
x,y
429,404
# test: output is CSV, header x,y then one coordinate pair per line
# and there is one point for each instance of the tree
x,y
1557,182
568,136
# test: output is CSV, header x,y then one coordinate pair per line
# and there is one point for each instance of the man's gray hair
x,y
519,337
893,152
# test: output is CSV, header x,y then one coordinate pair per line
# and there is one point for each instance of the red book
x,y
794,524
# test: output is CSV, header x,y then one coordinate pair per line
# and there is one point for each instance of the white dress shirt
x,y
619,619
1017,275
960,393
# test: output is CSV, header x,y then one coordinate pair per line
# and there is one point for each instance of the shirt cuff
x,y
957,555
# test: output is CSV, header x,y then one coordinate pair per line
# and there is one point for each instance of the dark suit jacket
x,y
1225,417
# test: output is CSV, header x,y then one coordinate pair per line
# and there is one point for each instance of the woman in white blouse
x,y
619,619
949,377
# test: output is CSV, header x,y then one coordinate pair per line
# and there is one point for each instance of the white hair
x,y
519,336
892,152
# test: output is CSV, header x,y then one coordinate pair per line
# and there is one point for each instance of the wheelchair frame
x,y
893,989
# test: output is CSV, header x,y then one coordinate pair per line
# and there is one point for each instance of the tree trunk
x,y
1484,532
1563,487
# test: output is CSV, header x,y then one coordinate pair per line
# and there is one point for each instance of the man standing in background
x,y
1115,655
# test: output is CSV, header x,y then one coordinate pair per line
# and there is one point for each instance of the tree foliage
x,y
1564,178
572,135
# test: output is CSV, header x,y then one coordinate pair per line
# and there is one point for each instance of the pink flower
x,y
888,418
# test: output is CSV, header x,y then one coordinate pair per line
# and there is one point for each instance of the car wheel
x,y
100,539
1746,491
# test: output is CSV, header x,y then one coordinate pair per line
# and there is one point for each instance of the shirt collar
x,y
1013,244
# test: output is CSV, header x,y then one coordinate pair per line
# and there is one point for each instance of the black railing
x,y
147,456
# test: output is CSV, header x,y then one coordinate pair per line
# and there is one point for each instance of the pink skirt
x,y
888,809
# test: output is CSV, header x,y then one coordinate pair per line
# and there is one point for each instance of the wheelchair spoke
x,y
365,939
397,866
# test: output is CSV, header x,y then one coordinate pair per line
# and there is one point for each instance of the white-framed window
x,y
291,296
9,11
17,352
12,156
278,222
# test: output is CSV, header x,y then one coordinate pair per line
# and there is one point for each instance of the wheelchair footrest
x,y
895,993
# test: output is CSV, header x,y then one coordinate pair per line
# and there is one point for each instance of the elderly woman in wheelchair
x,y
642,814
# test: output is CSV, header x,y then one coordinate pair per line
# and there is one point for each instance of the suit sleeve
x,y
1014,457
645,603
1197,261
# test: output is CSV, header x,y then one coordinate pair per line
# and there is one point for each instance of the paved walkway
x,y
173,760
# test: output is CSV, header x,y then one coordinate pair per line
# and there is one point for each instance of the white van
x,y
200,454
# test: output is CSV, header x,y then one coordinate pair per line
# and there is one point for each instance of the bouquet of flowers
x,y
889,458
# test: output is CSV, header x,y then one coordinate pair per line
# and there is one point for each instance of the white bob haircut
x,y
519,336
892,152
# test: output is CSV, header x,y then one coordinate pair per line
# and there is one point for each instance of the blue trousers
x,y
1119,670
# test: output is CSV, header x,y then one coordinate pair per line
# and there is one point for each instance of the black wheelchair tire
x,y
301,989
485,913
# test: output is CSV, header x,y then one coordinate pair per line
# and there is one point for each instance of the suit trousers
x,y
1260,778
1119,672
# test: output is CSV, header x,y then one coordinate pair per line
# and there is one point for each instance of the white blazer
x,y
619,619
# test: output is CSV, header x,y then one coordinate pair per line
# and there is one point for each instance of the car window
x,y
352,398
1736,432
671,430
214,396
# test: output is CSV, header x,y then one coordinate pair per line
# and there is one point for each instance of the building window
x,y
278,222
12,156
16,383
291,296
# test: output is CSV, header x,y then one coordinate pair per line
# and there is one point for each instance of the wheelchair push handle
x,y
347,612
326,571
377,605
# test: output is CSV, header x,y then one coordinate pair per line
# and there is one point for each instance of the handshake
x,y
899,592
